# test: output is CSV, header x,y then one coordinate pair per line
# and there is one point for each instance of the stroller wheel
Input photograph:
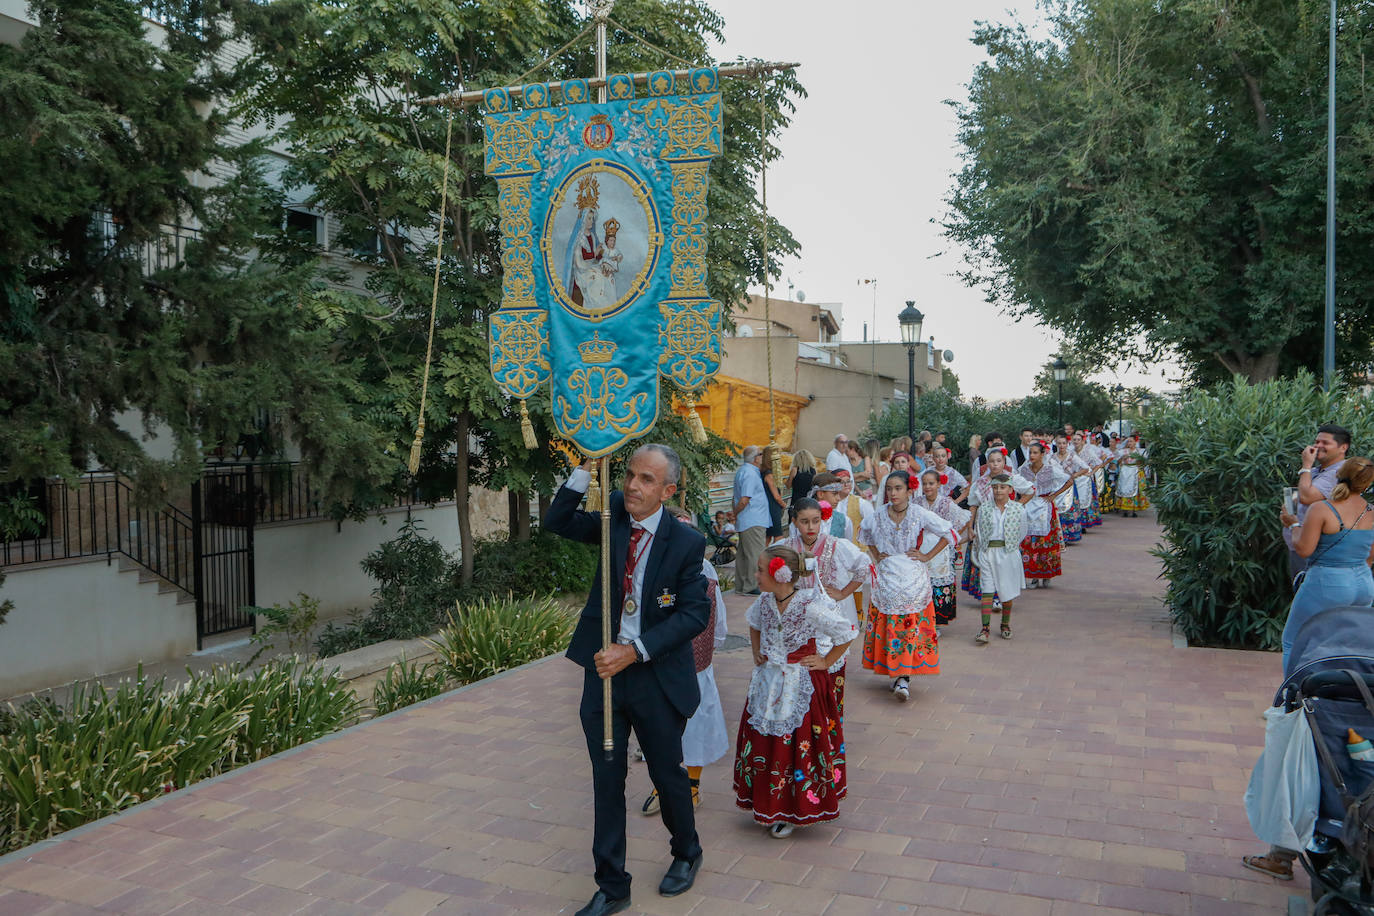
x,y
1334,905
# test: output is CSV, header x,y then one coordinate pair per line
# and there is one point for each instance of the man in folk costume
x,y
658,604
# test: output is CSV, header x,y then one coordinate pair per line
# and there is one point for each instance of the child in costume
x,y
841,569
1000,530
789,757
900,639
935,498
705,739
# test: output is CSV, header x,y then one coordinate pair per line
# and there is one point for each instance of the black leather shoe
x,y
601,905
680,876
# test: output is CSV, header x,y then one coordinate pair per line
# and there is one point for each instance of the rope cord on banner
x,y
418,444
767,278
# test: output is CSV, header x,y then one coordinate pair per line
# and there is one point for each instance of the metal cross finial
x,y
601,9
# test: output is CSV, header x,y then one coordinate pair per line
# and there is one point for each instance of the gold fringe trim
x,y
594,491
416,447
527,428
694,422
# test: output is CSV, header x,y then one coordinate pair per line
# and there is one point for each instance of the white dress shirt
x,y
578,481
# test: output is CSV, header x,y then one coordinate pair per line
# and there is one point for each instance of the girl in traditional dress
x,y
1070,513
980,494
789,757
841,569
950,479
1130,479
1000,530
705,739
900,639
1084,495
1042,550
944,592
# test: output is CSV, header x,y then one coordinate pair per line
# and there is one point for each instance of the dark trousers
x,y
638,702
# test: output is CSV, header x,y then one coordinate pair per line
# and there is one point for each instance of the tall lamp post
x,y
910,319
1061,372
1120,392
1144,404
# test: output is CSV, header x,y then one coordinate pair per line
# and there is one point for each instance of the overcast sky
x,y
868,162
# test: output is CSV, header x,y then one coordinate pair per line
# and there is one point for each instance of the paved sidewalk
x,y
1086,766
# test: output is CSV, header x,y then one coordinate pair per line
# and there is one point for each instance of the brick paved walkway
x,y
1087,766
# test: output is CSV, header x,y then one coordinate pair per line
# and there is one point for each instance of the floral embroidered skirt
x,y
902,645
1092,512
797,778
1136,502
969,582
946,601
1072,525
1041,555
1107,501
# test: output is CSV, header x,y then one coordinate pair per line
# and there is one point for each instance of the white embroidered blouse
x,y
780,691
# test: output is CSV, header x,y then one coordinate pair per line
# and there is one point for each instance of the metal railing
x,y
166,250
100,517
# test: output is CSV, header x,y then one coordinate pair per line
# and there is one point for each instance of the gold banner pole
x,y
602,11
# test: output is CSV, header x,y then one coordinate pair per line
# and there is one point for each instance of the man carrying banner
x,y
658,604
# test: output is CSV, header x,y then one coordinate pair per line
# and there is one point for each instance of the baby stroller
x,y
1332,680
723,547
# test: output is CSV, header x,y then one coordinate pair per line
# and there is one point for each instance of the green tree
x,y
337,85
112,307
1085,403
1151,177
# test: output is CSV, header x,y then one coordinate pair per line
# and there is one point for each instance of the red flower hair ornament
x,y
913,482
827,510
777,568
1004,451
944,479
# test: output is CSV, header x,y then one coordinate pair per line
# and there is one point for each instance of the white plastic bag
x,y
1285,787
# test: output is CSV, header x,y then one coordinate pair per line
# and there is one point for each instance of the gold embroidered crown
x,y
612,226
588,193
597,350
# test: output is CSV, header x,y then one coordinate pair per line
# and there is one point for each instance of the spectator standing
x,y
835,460
751,519
975,455
801,475
1316,479
860,469
776,529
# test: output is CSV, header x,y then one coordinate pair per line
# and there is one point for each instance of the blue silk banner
x,y
603,248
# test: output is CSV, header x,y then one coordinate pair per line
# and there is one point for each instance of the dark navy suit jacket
x,y
674,602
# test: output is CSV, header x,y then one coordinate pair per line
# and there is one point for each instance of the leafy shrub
x,y
115,747
294,621
496,634
32,708
417,582
406,683
544,564
1220,461
286,702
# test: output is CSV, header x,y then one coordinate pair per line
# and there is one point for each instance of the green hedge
x,y
1221,460
112,748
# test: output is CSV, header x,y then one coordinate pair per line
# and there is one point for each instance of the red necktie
x,y
631,561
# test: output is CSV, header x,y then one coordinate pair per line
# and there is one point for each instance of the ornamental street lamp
x,y
1144,404
910,319
1061,372
1120,392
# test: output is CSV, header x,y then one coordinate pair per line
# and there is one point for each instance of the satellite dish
x,y
948,356
801,296
744,331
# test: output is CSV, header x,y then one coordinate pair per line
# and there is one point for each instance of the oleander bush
x,y
115,747
405,683
1221,460
491,635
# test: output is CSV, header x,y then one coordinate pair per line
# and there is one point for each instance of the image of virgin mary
x,y
587,284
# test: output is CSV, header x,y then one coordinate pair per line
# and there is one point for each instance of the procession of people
x,y
870,556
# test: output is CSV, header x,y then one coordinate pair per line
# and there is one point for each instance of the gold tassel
x,y
416,446
694,421
527,428
594,491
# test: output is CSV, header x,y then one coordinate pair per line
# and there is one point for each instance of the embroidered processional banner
x,y
603,247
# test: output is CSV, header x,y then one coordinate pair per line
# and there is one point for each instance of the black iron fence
x,y
99,517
